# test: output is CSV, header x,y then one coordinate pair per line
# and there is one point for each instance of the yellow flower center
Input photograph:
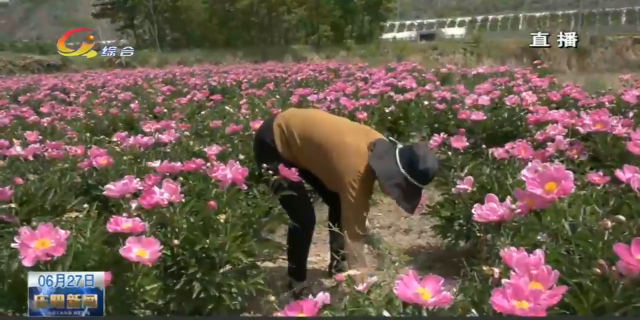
x,y
102,161
42,244
529,202
127,226
301,314
521,304
599,126
638,257
535,285
550,187
425,294
142,253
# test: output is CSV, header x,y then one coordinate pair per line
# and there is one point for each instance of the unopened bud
x,y
605,224
615,274
596,271
603,266
487,270
619,219
175,242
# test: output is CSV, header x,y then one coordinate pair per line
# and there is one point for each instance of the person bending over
x,y
341,160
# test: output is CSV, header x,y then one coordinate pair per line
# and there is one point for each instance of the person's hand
x,y
361,277
357,260
358,276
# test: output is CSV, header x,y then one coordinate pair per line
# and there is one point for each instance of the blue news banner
x,y
64,294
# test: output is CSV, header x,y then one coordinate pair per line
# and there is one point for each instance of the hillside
x,y
47,20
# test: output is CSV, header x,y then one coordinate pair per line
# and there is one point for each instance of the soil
x,y
406,240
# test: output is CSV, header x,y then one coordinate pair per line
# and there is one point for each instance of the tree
x,y
123,13
177,24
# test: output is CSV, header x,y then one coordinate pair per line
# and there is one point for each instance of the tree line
x,y
188,24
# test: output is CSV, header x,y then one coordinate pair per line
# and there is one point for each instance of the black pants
x,y
298,206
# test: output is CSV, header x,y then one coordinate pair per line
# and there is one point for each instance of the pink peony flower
x,y
161,197
122,188
427,292
290,174
151,180
459,142
230,173
255,125
478,116
522,149
629,263
634,183
169,167
193,165
215,124
528,201
307,307
633,146
96,152
32,136
233,128
519,259
627,172
42,244
119,224
437,140
542,284
515,298
102,161
171,190
145,250
493,210
6,193
464,186
500,153
364,287
212,205
322,298
598,178
548,180
213,151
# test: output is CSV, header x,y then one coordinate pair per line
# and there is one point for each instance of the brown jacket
x,y
336,150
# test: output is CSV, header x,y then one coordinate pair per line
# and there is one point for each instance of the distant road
x,y
608,21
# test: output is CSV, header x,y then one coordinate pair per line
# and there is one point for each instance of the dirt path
x,y
405,238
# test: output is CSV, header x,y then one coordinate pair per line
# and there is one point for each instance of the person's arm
x,y
354,217
355,210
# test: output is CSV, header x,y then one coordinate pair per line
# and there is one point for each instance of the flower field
x,y
149,175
